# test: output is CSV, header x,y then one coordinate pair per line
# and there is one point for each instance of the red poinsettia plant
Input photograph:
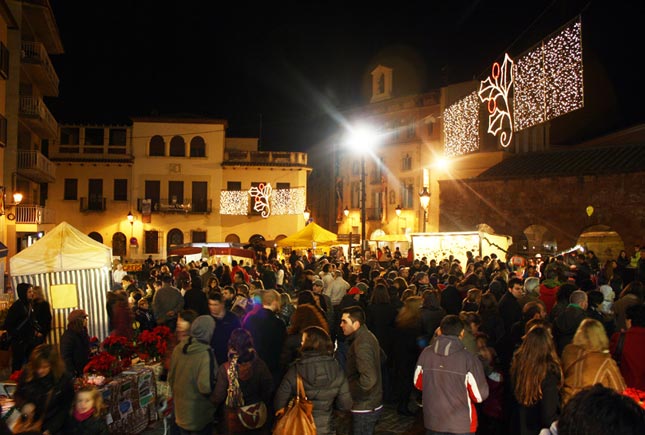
x,y
106,364
637,395
154,343
118,346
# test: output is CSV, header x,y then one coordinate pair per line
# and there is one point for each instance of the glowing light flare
x,y
461,126
496,88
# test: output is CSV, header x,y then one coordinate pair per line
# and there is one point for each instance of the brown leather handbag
x,y
297,417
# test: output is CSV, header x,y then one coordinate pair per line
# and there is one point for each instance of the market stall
x,y
74,272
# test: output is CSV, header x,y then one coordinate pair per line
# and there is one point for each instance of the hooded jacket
x,y
192,379
325,384
19,318
452,380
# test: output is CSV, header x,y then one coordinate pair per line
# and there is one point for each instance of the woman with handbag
x,y
44,393
244,386
324,381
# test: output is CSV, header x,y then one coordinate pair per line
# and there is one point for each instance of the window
x,y
151,242
199,236
177,147
93,136
95,198
71,189
118,245
69,136
152,192
284,186
407,194
175,192
356,194
234,185
4,61
3,131
157,146
96,236
117,138
121,189
200,197
406,163
197,147
411,131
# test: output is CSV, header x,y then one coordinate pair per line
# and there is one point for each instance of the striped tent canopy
x,y
66,256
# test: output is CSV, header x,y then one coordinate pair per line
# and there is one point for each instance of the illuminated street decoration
x,y
495,90
261,196
234,202
461,126
549,79
280,201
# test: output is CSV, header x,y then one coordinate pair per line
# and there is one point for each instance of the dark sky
x,y
292,64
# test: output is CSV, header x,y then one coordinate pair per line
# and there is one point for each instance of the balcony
x,y
36,167
38,66
93,204
35,114
41,21
264,158
165,205
34,214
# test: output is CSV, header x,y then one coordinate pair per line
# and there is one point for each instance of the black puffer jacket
x,y
93,425
324,382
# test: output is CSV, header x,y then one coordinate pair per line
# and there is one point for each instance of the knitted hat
x,y
75,315
202,328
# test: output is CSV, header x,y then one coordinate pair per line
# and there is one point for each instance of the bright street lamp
x,y
306,214
424,198
346,211
362,139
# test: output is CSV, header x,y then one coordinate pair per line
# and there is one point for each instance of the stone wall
x,y
557,203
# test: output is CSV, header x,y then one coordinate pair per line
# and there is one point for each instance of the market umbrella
x,y
306,237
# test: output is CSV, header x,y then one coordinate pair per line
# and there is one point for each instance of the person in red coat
x,y
632,356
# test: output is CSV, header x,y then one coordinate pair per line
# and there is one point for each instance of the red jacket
x,y
632,361
548,294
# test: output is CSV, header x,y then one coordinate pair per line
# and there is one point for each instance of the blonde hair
x,y
591,336
97,398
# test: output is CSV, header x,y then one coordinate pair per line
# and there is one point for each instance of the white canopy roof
x,y
63,248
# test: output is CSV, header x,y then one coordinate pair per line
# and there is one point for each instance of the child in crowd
x,y
87,416
144,316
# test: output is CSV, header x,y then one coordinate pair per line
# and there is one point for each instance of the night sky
x,y
282,68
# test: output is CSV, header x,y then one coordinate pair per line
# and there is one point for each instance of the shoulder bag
x,y
241,417
297,417
28,423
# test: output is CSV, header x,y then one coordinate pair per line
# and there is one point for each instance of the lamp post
x,y
361,140
424,198
397,210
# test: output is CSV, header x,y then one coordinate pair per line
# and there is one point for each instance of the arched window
x,y
118,245
197,147
177,147
157,146
232,238
175,237
96,236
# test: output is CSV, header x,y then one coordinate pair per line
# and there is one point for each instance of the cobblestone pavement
x,y
391,423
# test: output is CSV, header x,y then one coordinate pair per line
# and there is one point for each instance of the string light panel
x,y
461,126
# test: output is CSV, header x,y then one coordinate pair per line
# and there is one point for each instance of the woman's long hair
x,y
532,361
317,340
591,336
306,315
409,316
44,353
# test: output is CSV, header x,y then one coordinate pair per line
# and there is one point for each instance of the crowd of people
x,y
486,347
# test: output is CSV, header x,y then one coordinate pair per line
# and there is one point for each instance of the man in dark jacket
x,y
509,306
451,379
268,332
225,323
19,325
566,324
363,369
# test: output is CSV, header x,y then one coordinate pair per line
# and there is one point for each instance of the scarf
x,y
82,416
234,397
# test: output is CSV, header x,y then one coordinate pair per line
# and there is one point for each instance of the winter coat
x,y
56,405
450,299
93,425
75,351
379,319
256,382
510,310
269,334
632,360
192,379
19,320
363,369
223,329
566,325
583,368
449,395
548,293
431,319
195,299
325,385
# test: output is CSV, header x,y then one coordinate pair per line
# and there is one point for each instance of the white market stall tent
x,y
74,272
